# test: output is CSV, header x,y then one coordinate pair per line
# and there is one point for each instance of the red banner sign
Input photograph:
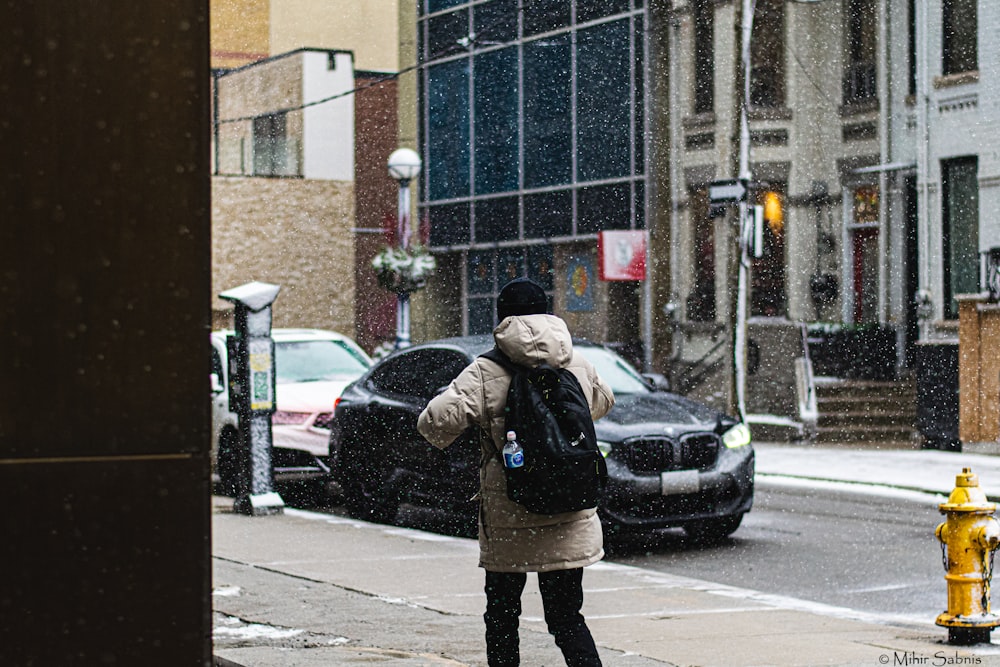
x,y
621,255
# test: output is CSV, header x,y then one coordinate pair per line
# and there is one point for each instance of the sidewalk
x,y
925,471
305,588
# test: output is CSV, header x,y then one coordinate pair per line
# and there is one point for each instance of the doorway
x,y
864,273
863,261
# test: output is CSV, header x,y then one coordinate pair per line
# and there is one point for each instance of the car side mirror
x,y
657,381
217,387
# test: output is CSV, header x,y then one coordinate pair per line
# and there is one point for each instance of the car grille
x,y
680,506
284,417
644,456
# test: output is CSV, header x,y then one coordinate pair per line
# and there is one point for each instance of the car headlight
x,y
737,436
605,447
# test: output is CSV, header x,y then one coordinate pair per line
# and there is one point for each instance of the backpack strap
x,y
497,356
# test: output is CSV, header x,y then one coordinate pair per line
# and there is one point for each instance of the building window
x,y
767,55
271,154
959,36
447,153
603,207
487,271
438,5
496,22
959,230
603,102
449,223
541,16
704,56
495,219
496,121
532,126
589,11
548,214
701,300
444,33
548,121
859,75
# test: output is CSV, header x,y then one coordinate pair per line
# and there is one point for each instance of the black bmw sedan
x,y
672,462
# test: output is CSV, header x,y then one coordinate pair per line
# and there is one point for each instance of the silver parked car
x,y
312,367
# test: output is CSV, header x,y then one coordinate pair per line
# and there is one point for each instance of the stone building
x,y
832,147
869,132
957,117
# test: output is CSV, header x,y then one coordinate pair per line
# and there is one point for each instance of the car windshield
x,y
315,360
620,376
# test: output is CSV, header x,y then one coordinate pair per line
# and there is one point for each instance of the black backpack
x,y
563,469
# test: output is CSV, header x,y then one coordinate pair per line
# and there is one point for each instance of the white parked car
x,y
312,367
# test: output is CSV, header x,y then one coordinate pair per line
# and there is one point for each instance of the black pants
x,y
562,598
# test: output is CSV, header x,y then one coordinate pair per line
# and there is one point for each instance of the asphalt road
x,y
843,549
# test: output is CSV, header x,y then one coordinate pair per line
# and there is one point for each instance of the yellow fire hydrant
x,y
969,538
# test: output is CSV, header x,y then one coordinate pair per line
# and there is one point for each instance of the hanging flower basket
x,y
403,271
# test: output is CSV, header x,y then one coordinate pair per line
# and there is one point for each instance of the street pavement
x,y
308,588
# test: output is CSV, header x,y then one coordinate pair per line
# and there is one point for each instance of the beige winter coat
x,y
512,539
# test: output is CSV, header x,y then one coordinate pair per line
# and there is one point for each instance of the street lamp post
x,y
404,165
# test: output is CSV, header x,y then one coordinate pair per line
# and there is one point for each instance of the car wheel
x,y
228,463
365,488
707,531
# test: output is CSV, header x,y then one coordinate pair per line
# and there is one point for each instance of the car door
x,y
402,386
446,473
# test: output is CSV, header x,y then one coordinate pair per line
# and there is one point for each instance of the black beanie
x,y
521,296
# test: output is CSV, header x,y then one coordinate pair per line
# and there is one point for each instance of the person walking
x,y
512,540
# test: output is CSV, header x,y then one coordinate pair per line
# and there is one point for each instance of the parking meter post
x,y
252,395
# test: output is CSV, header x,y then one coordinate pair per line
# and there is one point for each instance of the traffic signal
x,y
774,214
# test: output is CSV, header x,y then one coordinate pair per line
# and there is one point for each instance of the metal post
x,y
743,269
403,237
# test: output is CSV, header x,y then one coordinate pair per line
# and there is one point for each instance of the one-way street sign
x,y
731,190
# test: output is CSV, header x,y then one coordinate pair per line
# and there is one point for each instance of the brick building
x,y
260,48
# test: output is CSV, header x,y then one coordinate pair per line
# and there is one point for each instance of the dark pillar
x,y
104,315
937,396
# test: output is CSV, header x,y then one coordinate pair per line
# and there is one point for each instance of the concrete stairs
x,y
866,413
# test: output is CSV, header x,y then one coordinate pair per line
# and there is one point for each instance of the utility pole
x,y
738,264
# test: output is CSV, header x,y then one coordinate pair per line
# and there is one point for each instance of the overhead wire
x,y
465,42
306,105
823,93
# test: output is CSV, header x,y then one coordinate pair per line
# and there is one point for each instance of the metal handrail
x,y
698,371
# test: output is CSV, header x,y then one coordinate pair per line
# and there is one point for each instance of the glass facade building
x,y
532,130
